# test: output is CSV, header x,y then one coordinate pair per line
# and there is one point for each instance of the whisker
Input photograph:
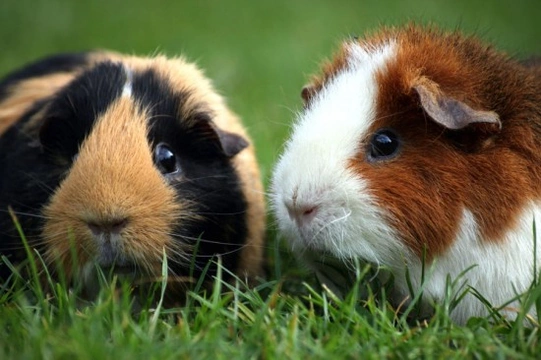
x,y
40,183
266,193
39,216
294,112
220,213
194,240
391,115
347,214
218,254
201,240
178,250
217,176
32,244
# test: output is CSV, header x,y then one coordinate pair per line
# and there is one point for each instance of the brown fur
x,y
492,172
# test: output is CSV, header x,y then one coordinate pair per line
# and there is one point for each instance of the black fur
x,y
27,179
73,111
207,177
32,168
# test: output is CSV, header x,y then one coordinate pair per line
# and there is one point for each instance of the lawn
x,y
259,54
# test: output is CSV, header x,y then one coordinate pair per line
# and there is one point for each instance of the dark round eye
x,y
165,159
383,145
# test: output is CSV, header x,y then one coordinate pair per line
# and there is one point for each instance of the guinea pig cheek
x,y
114,208
332,214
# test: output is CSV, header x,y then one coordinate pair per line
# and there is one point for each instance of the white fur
x,y
128,85
502,269
313,172
313,168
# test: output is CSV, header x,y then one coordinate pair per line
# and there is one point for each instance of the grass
x,y
259,55
230,321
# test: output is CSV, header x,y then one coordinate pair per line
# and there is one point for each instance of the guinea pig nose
x,y
111,226
302,214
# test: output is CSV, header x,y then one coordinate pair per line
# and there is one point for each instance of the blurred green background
x,y
259,53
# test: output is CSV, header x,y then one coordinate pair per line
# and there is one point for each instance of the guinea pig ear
x,y
473,128
307,93
231,143
227,143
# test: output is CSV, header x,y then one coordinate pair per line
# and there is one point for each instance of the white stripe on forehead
x,y
345,108
313,170
127,88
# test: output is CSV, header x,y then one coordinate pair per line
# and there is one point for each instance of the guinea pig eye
x,y
383,145
165,159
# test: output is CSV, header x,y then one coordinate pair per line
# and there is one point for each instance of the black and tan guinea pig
x,y
116,160
418,147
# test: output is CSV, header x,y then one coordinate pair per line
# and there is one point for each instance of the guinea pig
x,y
111,161
418,147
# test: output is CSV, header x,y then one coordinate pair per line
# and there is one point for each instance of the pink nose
x,y
302,214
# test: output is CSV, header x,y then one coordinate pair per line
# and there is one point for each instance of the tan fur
x,y
184,75
24,94
128,185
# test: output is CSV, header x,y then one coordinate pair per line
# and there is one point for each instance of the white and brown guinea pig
x,y
412,140
128,159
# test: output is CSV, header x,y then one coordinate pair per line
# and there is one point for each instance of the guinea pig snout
x,y
301,213
108,226
108,240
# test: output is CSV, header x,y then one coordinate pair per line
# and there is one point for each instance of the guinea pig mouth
x,y
319,226
109,251
112,261
109,257
316,238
